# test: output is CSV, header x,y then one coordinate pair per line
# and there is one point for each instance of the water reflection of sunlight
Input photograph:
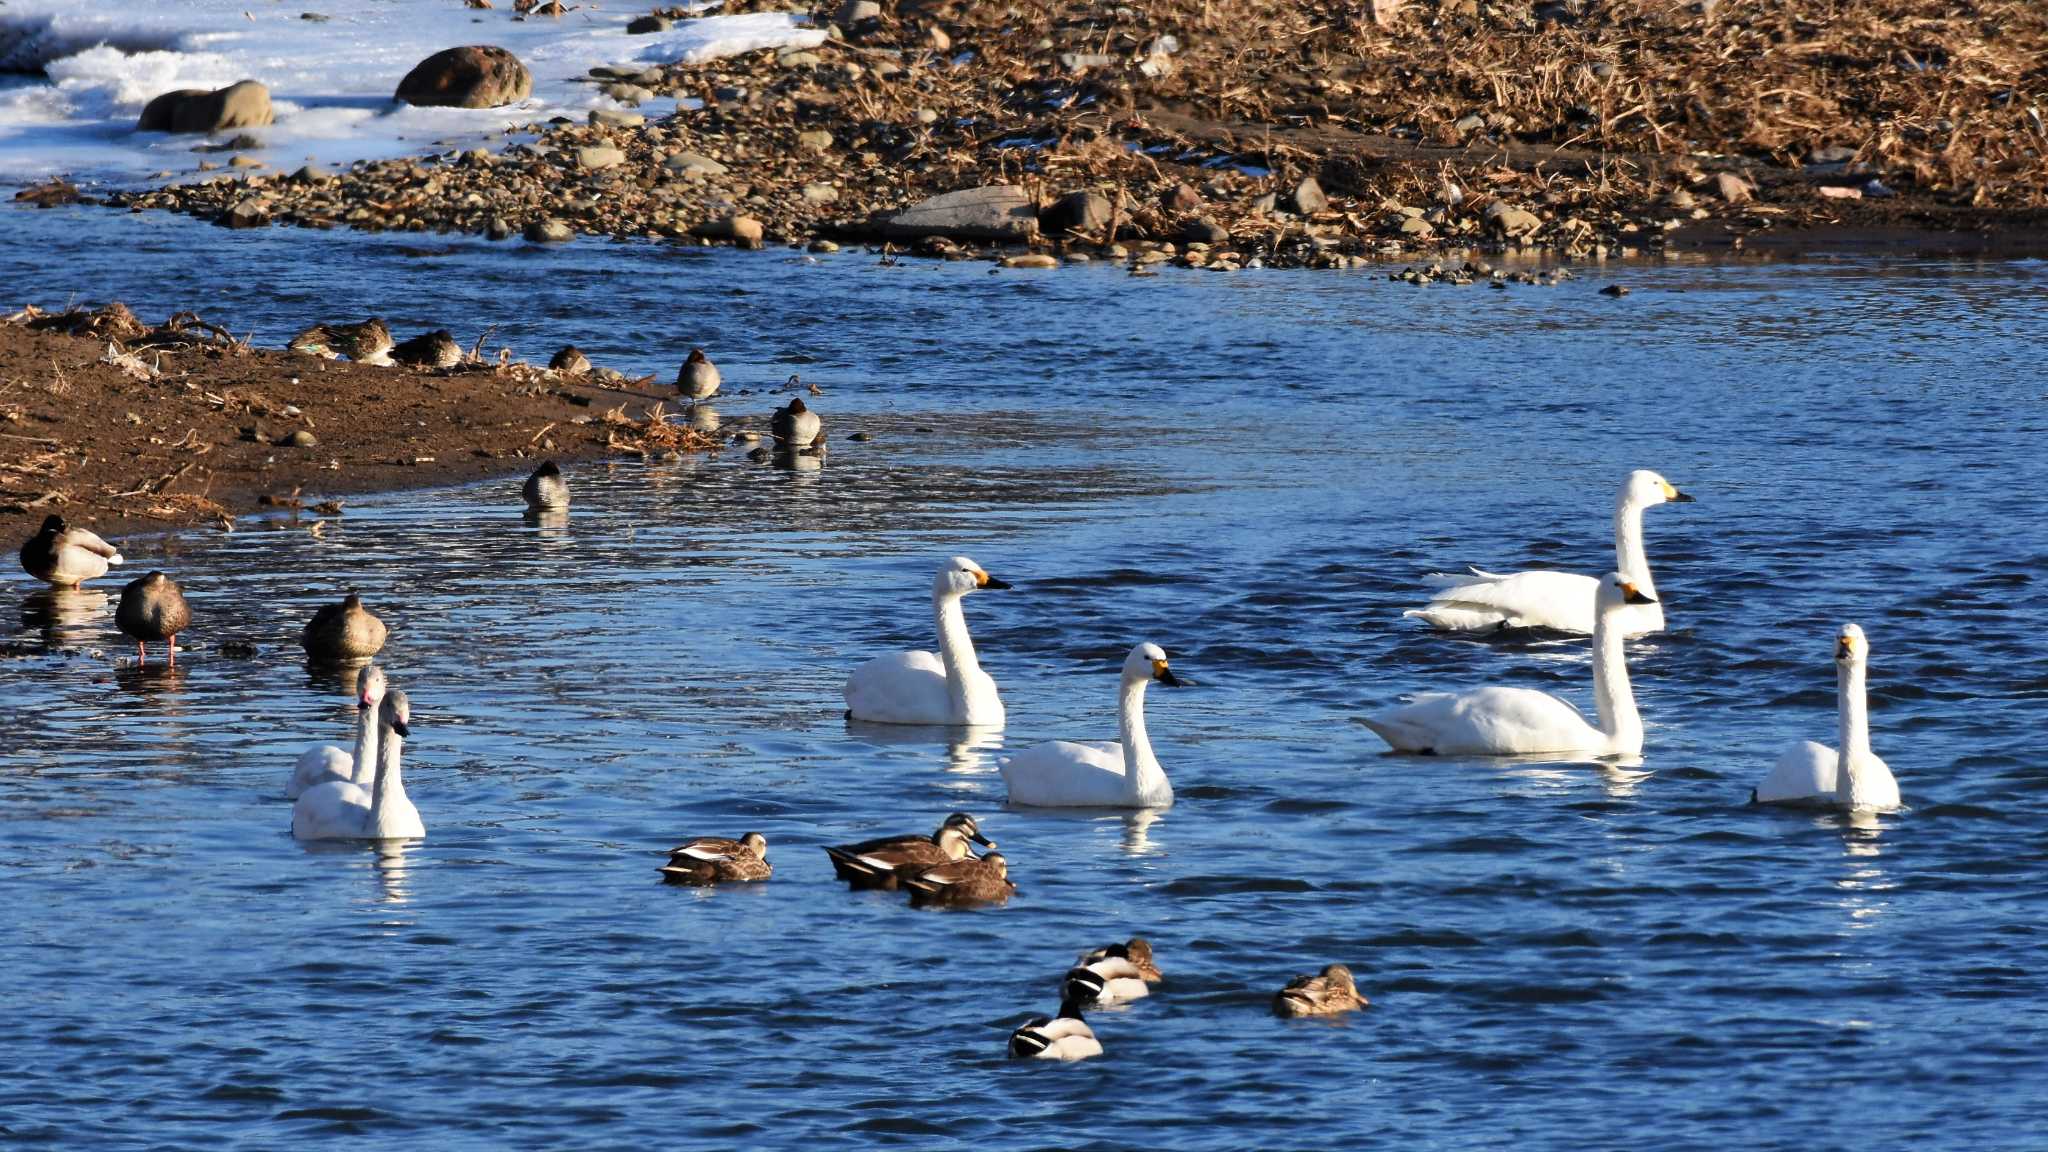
x,y
1137,838
1863,879
552,523
393,871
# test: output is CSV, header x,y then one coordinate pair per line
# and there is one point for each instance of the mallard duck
x,y
717,860
880,863
1137,950
344,631
436,349
975,880
1326,994
570,361
1062,1037
153,608
315,341
365,343
698,377
795,427
65,556
546,488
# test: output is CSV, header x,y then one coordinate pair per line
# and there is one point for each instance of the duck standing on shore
x,y
344,631
546,489
65,556
698,377
153,608
436,349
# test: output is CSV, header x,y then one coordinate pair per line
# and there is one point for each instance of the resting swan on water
x,y
1523,721
1117,774
1561,601
1853,778
920,688
317,766
340,810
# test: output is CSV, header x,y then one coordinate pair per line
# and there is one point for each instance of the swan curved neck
x,y
1629,559
1612,696
364,767
956,650
389,787
1144,779
1853,711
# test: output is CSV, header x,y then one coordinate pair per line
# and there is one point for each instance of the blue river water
x,y
1253,470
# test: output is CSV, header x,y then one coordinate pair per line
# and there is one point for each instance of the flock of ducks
x,y
359,793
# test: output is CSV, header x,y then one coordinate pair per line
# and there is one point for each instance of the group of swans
x,y
361,796
950,689
1522,721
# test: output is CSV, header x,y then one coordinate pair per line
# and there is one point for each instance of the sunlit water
x,y
1251,470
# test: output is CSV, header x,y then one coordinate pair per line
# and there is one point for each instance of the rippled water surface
x,y
1252,471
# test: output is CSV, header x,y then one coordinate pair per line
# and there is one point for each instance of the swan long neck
x,y
956,650
364,767
1142,774
390,784
1629,559
1616,702
1853,707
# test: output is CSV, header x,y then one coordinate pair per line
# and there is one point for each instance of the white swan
x,y
340,810
1118,774
1809,773
319,765
1523,721
920,688
1562,601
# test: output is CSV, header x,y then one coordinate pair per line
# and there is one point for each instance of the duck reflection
x,y
155,684
337,678
552,523
65,617
704,418
969,751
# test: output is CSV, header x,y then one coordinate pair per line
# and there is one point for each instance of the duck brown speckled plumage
x,y
65,556
881,863
1325,994
153,608
344,631
366,343
717,860
975,880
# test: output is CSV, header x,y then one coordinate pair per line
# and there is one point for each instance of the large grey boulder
x,y
477,76
245,104
992,212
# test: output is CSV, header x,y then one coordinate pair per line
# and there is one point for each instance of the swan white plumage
x,y
1523,721
1811,774
920,688
1116,774
317,766
1562,601
340,810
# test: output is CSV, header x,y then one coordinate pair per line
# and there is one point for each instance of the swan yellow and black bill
x,y
1164,675
1674,495
984,580
1630,594
1845,647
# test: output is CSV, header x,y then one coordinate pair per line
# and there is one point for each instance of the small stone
x,y
855,13
1181,198
1083,212
599,157
1508,222
689,162
817,139
644,25
244,213
1615,290
299,439
310,175
476,76
742,230
820,193
823,246
927,116
798,58
244,162
1204,231
937,38
498,229
549,231
1031,260
1680,199
1468,125
631,95
1308,198
1732,188
609,118
1417,227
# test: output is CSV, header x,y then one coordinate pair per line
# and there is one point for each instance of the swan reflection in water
x,y
66,617
1864,884
969,751
392,870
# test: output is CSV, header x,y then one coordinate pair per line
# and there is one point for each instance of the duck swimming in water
x,y
546,488
717,860
1325,994
698,377
882,862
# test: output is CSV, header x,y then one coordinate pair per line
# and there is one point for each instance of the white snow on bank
x,y
330,81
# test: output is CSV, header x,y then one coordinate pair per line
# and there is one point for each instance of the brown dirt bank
x,y
190,429
1588,127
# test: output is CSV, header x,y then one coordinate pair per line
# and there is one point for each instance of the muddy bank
x,y
1223,133
126,427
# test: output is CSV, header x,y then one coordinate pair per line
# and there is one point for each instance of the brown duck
x,y
717,860
881,863
975,880
153,608
1325,994
344,631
